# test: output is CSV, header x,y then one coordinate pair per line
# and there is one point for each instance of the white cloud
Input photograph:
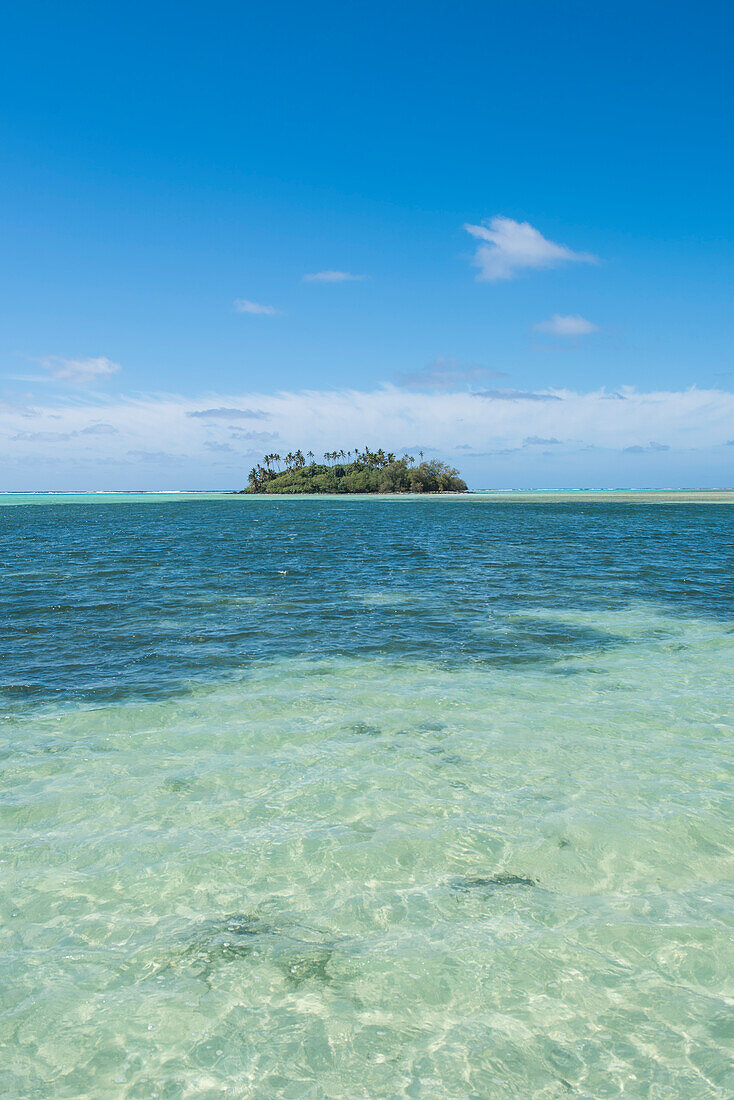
x,y
512,247
332,277
79,370
570,324
244,305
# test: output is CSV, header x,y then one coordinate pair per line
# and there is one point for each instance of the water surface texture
x,y
366,798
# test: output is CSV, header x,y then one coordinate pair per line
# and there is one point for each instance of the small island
x,y
353,472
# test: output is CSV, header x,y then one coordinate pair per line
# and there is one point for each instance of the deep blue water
x,y
104,601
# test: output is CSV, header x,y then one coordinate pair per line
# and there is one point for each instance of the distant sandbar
x,y
611,496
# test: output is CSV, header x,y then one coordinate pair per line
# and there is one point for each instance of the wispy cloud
x,y
99,429
253,437
519,395
332,277
509,248
61,437
229,414
652,446
538,440
164,458
42,437
79,371
244,305
215,445
570,324
446,374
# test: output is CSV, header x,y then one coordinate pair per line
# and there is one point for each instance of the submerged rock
x,y
445,757
242,937
304,965
216,942
481,882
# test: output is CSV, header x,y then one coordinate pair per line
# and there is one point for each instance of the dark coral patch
x,y
490,882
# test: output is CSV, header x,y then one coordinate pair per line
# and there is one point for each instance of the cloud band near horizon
x,y
211,433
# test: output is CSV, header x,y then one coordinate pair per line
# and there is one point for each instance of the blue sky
x,y
163,162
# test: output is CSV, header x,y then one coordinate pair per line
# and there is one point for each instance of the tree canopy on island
x,y
353,472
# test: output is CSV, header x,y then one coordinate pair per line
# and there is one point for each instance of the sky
x,y
498,234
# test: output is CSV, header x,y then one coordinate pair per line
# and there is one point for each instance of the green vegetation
x,y
353,472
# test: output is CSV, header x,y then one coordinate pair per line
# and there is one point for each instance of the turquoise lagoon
x,y
366,798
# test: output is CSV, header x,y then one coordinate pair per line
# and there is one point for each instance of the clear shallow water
x,y
341,799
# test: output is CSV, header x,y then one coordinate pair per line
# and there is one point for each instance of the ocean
x,y
365,798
